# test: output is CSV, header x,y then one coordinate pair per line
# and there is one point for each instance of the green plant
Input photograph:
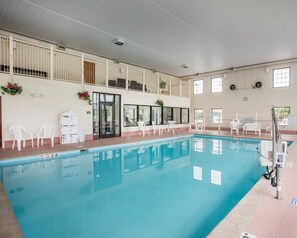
x,y
12,89
160,103
84,95
163,84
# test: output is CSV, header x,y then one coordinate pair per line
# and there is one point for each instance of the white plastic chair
x,y
157,128
268,130
234,126
141,127
19,135
46,131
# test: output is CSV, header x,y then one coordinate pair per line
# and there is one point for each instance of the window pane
x,y
167,115
198,115
185,115
198,86
145,114
176,115
216,85
281,77
217,114
130,115
282,114
157,115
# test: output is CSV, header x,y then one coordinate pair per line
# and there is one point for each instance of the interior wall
x,y
59,97
258,100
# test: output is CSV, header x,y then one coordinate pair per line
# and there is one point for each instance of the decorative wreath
x,y
258,84
232,87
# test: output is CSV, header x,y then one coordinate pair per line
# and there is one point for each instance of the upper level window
x,y
217,115
281,77
217,85
282,114
198,86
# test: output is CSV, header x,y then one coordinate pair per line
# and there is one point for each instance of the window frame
x,y
284,121
212,85
198,121
221,116
273,78
194,91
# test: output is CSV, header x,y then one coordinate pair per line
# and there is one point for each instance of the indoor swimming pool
x,y
179,187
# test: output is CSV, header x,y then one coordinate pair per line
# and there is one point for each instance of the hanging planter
x,y
160,103
84,95
12,88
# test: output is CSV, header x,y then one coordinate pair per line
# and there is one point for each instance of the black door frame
x,y
99,103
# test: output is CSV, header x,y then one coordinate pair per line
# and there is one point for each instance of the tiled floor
x,y
258,213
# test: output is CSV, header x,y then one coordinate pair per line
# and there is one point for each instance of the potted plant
x,y
12,88
160,103
162,85
84,95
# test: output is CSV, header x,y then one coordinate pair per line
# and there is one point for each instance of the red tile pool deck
x,y
258,213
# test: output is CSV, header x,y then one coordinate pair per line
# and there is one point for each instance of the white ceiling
x,y
163,35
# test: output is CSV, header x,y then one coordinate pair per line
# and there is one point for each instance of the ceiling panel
x,y
163,34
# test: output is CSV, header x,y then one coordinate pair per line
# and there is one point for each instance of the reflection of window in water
x,y
197,173
216,177
198,145
217,147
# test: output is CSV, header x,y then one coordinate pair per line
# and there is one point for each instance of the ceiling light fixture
x,y
185,66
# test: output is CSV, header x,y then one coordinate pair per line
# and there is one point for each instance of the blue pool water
x,y
177,188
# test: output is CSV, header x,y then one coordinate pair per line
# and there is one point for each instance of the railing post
x,y
11,57
52,63
127,76
143,80
82,69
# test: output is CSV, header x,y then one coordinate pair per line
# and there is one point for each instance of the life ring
x,y
258,84
232,87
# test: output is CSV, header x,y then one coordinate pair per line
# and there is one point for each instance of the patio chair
x,y
157,128
141,128
20,134
46,131
234,126
268,130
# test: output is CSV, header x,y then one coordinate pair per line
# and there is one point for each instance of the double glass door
x,y
106,115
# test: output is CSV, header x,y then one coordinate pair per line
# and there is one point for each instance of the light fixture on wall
x,y
225,76
267,70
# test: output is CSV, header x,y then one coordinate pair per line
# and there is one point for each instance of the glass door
x,y
107,119
106,115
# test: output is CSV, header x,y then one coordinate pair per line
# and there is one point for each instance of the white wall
x,y
259,100
59,97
